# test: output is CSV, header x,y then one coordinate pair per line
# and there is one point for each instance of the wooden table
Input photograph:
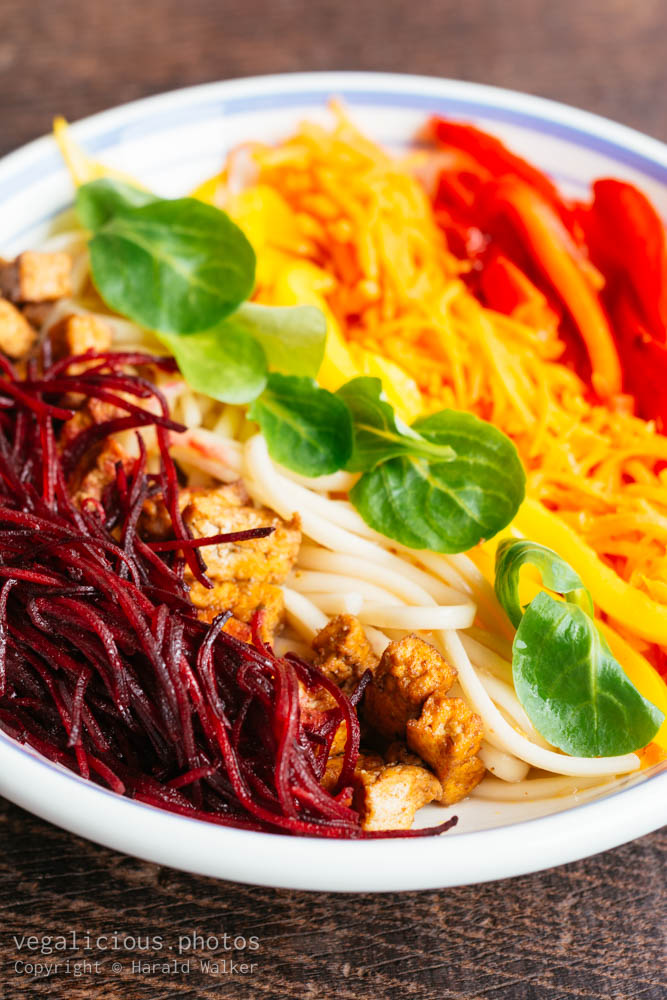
x,y
595,929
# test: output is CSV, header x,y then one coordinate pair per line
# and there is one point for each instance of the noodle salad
x,y
338,487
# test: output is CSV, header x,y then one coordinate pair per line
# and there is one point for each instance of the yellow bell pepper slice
x,y
302,283
630,607
207,191
266,219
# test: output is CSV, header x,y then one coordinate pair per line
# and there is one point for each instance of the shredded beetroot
x,y
104,665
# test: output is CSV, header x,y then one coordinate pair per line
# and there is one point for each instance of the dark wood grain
x,y
595,929
589,930
73,58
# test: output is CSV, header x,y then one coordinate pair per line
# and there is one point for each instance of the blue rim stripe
x,y
157,121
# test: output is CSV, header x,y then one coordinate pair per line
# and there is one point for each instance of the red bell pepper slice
x,y
554,252
644,358
509,220
493,157
626,236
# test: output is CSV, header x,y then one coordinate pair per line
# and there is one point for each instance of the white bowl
x,y
171,142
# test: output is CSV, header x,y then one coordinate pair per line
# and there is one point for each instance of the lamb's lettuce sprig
x,y
574,691
185,270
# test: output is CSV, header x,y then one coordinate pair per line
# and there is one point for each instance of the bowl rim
x,y
629,144
480,855
307,862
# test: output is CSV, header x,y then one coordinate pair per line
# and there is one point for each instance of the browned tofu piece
x,y
77,334
343,651
155,520
240,630
16,334
103,472
447,736
408,698
37,313
242,598
245,574
98,469
80,421
398,753
387,796
313,706
409,671
332,771
211,512
461,780
233,626
36,277
229,494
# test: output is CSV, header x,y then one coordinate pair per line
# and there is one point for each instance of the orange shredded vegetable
x,y
361,220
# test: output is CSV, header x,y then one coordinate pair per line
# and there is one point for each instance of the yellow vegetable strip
x,y
614,596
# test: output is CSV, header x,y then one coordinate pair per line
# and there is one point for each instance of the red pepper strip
x,y
493,155
457,190
453,203
644,360
505,287
625,234
551,248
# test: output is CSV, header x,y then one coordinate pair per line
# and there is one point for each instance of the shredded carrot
x,y
395,291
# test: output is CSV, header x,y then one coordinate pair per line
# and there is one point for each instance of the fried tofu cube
x,y
37,313
155,520
16,334
332,771
410,670
408,698
342,650
387,796
314,705
94,477
90,411
245,575
240,630
398,753
447,736
37,277
243,598
210,512
461,780
77,334
103,473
